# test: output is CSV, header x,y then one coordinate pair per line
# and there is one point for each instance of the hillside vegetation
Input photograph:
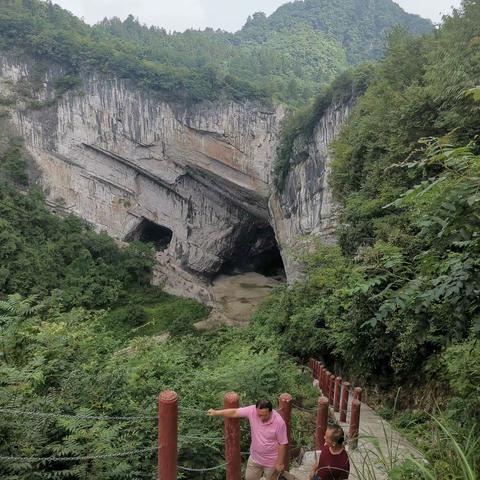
x,y
396,303
286,57
360,26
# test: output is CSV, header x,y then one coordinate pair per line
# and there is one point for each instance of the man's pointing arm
x,y
226,412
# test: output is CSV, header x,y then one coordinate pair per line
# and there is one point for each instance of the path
x,y
380,446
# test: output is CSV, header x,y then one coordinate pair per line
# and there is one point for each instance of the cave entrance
x,y
150,232
256,251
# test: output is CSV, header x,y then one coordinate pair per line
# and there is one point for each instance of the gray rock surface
x,y
304,210
120,158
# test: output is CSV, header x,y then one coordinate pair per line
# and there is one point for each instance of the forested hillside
x,y
402,172
396,302
394,305
287,56
360,26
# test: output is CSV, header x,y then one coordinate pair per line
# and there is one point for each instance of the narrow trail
x,y
380,447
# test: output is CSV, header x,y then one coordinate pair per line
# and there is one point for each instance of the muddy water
x,y
236,297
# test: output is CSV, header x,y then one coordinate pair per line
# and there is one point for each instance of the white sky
x,y
226,14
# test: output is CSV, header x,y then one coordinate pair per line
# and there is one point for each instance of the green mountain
x,y
287,56
361,26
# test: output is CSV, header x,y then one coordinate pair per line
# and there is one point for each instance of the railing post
x,y
285,410
231,431
336,395
344,401
357,393
167,435
326,376
319,372
331,388
322,420
354,424
322,380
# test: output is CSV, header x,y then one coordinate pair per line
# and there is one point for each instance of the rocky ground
x,y
236,297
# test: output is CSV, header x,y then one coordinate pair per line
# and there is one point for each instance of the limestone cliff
x,y
304,210
195,180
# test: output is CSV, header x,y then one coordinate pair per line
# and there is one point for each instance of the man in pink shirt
x,y
269,438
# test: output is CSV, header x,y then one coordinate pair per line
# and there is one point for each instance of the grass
x,y
452,456
149,311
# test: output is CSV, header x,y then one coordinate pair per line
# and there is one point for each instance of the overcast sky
x,y
226,14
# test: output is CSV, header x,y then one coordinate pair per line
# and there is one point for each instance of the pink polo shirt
x,y
266,437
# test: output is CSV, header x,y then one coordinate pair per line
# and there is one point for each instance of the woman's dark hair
x,y
264,404
337,433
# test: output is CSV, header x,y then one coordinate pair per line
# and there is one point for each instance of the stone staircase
x,y
379,447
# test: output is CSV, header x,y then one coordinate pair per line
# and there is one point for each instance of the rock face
x,y
304,210
194,180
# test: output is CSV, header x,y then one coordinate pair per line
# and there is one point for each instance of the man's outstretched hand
x,y
211,412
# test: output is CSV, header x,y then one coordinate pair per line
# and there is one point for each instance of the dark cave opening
x,y
256,251
150,232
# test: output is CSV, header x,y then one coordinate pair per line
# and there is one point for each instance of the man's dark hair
x,y
264,404
337,433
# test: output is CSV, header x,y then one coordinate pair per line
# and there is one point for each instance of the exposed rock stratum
x,y
195,180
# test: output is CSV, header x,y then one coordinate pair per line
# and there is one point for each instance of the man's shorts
x,y
255,471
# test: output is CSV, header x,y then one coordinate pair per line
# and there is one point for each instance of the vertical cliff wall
x,y
132,165
194,180
304,209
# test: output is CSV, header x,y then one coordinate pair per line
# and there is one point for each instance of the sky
x,y
225,14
